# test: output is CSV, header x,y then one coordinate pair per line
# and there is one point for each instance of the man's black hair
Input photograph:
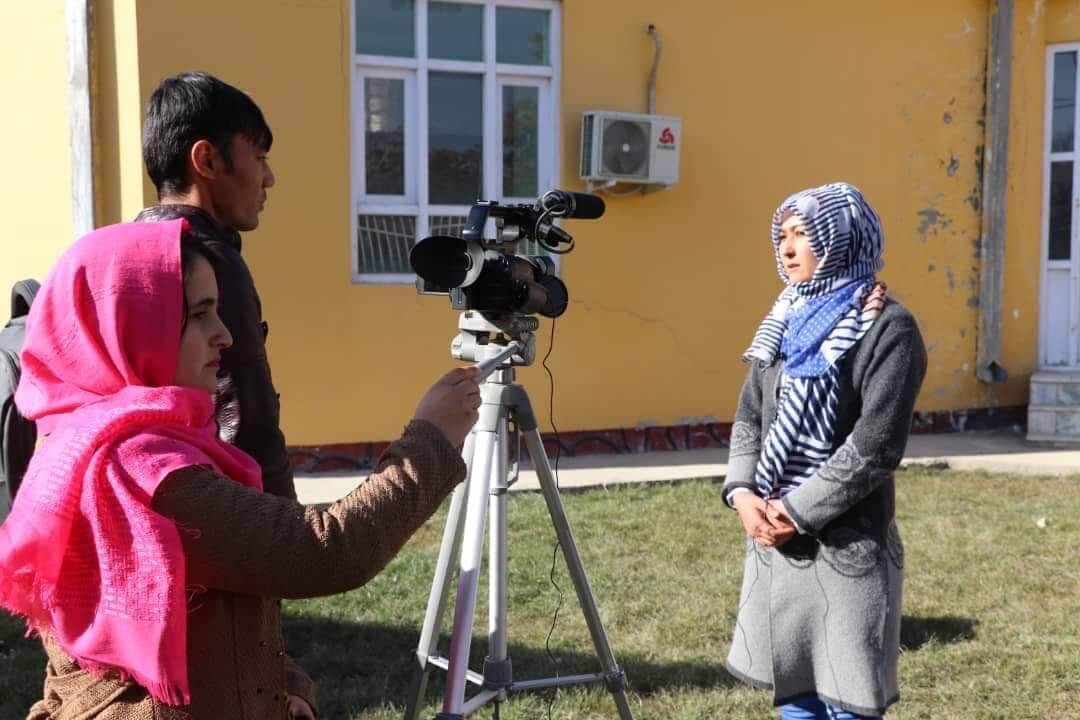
x,y
190,107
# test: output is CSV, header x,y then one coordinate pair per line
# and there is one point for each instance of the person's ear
x,y
204,159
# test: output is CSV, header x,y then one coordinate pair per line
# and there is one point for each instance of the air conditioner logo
x,y
667,139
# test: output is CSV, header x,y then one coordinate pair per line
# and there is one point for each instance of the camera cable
x,y
555,549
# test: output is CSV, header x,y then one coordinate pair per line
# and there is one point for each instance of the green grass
x,y
991,624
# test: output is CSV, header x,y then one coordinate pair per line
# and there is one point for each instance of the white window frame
x,y
415,73
360,137
1072,265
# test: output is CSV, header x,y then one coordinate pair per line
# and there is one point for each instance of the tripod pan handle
x,y
489,365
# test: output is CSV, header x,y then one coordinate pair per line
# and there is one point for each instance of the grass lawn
x,y
991,625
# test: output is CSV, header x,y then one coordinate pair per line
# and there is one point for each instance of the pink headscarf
x,y
82,555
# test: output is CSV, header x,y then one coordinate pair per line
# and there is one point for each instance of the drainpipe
x,y
652,74
77,14
645,189
988,366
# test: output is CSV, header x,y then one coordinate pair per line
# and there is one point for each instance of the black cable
x,y
536,229
555,549
553,248
556,250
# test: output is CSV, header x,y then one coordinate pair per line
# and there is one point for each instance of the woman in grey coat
x,y
822,424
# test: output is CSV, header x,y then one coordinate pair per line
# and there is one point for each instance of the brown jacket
x,y
246,549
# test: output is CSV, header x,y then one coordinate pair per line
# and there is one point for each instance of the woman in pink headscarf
x,y
140,546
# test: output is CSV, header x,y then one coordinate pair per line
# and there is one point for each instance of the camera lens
x,y
556,296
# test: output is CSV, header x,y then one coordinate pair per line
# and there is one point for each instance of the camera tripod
x,y
491,455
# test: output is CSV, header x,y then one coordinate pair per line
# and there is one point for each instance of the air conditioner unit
x,y
630,148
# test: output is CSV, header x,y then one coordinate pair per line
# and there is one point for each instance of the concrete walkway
x,y
995,452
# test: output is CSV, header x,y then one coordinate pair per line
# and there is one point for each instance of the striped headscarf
x,y
813,324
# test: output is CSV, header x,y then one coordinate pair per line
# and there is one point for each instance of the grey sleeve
x,y
876,445
745,445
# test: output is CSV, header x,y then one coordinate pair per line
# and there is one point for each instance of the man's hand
x,y
299,709
452,403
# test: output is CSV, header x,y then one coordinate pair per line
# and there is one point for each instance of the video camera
x,y
487,274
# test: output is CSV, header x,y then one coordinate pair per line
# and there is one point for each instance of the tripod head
x,y
495,340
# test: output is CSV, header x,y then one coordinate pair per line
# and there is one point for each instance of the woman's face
x,y
205,335
795,252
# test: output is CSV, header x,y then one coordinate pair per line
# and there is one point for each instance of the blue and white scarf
x,y
813,324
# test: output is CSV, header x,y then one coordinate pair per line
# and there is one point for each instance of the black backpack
x,y
17,434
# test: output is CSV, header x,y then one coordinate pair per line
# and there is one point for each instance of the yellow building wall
x,y
1024,201
667,289
121,184
37,224
772,100
36,221
1061,18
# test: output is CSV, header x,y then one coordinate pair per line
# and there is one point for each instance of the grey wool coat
x,y
821,614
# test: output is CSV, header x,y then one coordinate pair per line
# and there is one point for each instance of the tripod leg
x,y
440,587
498,674
472,549
616,684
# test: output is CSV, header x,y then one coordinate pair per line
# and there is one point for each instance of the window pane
x,y
451,225
385,27
456,138
1061,202
521,138
1064,102
522,36
384,242
384,136
456,31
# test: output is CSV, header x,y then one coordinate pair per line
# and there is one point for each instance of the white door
x,y
1059,346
